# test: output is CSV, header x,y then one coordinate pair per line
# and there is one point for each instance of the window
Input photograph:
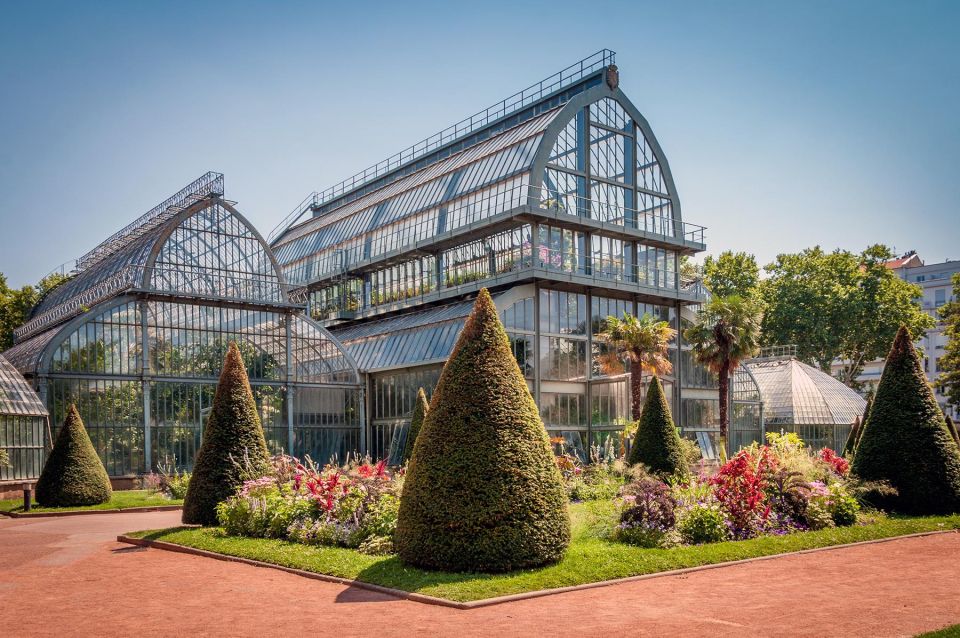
x,y
939,297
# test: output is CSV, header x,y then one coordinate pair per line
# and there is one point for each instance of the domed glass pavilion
x,y
781,393
137,335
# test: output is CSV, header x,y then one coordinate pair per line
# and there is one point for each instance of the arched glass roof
x,y
796,393
17,398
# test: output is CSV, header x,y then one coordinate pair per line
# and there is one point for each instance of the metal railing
x,y
209,184
777,352
163,279
570,75
403,236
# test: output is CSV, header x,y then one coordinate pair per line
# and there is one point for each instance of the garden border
x,y
126,510
498,600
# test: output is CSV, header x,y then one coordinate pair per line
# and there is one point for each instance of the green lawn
x,y
947,632
588,560
119,501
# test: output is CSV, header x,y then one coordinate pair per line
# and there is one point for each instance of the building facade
x,y
136,339
559,200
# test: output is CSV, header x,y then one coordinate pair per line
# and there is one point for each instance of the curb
x,y
126,510
499,600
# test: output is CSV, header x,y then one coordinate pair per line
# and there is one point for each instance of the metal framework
x,y
137,337
559,199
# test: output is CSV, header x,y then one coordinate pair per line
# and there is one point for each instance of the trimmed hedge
x,y
420,409
73,474
232,432
952,428
863,422
905,440
851,445
656,443
482,491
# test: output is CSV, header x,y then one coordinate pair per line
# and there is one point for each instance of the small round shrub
x,y
73,474
843,507
703,524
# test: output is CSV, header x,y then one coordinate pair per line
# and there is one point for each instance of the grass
x,y
947,632
588,560
120,500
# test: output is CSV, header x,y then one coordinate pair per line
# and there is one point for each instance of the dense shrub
x,y
420,409
73,474
952,427
657,444
851,444
648,514
702,524
232,434
905,440
482,492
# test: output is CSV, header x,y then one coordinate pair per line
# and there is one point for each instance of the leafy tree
x,y
16,304
644,342
73,474
732,273
949,378
482,491
906,441
725,332
420,409
839,306
657,444
233,434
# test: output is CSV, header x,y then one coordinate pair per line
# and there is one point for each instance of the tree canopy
x,y
839,305
949,379
732,273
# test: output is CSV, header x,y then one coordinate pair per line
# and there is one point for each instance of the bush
x,y
4,458
73,474
739,487
657,444
232,434
905,439
851,445
420,409
702,524
482,492
952,428
648,514
172,484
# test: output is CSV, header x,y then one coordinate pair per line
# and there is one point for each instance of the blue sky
x,y
786,124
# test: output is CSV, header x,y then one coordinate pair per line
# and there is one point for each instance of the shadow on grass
x,y
393,573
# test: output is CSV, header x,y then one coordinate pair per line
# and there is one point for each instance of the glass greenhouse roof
x,y
413,338
16,395
796,393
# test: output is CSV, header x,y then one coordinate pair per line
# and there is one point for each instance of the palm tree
x,y
726,332
644,342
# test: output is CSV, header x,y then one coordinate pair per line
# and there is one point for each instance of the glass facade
x,y
142,366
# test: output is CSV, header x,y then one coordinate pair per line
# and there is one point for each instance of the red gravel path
x,y
67,577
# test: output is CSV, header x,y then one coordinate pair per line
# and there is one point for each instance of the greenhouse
x,y
560,200
23,421
137,335
776,392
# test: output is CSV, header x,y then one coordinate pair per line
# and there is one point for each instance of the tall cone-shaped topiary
x,y
420,409
863,422
73,474
952,428
851,445
906,441
232,433
656,443
482,491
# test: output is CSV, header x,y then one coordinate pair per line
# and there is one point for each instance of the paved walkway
x,y
68,577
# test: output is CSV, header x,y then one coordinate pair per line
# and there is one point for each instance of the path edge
x,y
126,510
499,600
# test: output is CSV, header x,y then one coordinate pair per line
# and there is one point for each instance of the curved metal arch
x,y
358,379
570,109
42,368
174,223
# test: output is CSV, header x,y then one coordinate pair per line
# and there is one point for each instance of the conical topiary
x,y
656,443
232,434
482,491
952,428
906,441
73,474
851,445
420,409
863,422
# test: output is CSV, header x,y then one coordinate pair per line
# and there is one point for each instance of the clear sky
x,y
786,124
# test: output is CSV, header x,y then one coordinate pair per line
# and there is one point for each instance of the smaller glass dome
x,y
796,393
